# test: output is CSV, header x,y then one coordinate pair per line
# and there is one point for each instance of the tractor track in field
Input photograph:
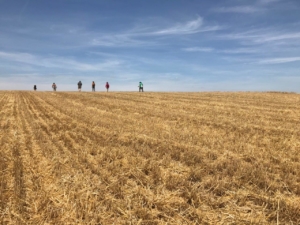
x,y
7,161
19,208
40,171
49,160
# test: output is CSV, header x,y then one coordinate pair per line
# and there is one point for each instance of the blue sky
x,y
179,45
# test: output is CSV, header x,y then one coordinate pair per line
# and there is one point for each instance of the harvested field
x,y
149,158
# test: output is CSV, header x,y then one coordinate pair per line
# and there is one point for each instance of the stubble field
x,y
149,158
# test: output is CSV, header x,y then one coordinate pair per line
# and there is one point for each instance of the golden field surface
x,y
149,158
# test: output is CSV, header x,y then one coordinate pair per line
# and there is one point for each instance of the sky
x,y
169,45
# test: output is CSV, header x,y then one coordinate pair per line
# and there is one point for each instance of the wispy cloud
x,y
238,9
137,37
227,51
267,1
18,57
240,51
279,60
277,37
184,28
262,36
258,6
189,27
120,40
58,62
197,49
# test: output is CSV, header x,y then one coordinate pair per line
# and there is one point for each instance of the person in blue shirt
x,y
141,87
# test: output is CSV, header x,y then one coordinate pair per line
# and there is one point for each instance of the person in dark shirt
x,y
93,86
54,86
79,85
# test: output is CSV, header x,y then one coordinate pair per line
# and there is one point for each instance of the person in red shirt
x,y
107,86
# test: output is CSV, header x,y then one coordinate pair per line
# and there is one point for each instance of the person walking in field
x,y
141,87
54,87
79,86
107,86
93,86
34,87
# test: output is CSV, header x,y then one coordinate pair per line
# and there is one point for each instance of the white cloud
x,y
240,51
18,57
277,37
132,38
120,40
238,9
227,51
58,62
189,27
259,6
262,36
197,49
279,60
267,1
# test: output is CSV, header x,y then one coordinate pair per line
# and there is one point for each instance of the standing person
x,y
141,87
93,86
79,85
54,86
34,87
107,86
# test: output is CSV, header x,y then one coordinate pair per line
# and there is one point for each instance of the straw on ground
x,y
151,158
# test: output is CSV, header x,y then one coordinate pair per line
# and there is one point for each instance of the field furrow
x,y
149,158
76,139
